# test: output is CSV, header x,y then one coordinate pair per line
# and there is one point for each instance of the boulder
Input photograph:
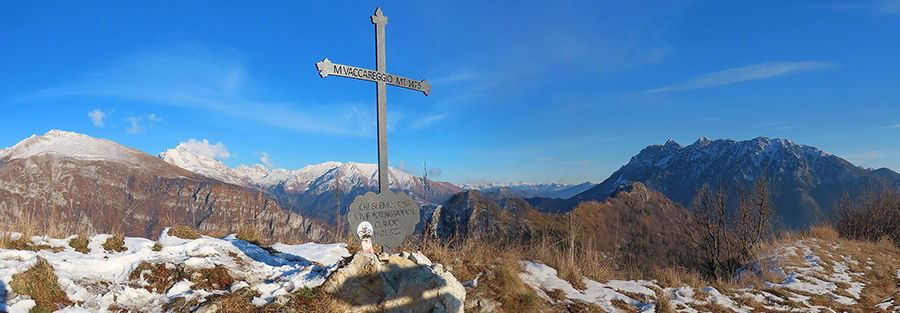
x,y
396,284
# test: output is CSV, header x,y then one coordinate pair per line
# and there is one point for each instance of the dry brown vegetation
x,y
40,283
116,243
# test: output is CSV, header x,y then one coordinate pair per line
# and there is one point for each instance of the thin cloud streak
x,y
429,120
866,155
191,75
748,73
877,7
893,126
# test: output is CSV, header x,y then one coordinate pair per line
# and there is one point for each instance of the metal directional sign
x,y
393,216
327,68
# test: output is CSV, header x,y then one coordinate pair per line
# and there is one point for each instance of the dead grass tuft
x,y
250,235
824,232
213,278
183,232
159,277
41,284
497,263
80,244
116,243
7,242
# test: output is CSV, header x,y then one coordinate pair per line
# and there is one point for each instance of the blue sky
x,y
536,91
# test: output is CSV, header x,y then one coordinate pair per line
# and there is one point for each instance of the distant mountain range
x,y
530,190
310,190
108,187
63,179
806,179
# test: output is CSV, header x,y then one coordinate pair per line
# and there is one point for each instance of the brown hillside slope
x,y
119,189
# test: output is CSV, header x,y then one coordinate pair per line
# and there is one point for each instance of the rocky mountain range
x,y
310,190
806,179
69,180
530,190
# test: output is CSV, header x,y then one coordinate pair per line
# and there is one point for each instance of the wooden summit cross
x,y
393,216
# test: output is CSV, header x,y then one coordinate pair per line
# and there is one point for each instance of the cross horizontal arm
x,y
327,68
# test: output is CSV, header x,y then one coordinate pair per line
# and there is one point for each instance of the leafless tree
x,y
872,214
710,210
754,220
728,232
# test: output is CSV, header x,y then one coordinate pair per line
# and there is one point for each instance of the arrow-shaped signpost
x,y
390,214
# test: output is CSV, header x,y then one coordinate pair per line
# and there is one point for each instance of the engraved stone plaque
x,y
393,216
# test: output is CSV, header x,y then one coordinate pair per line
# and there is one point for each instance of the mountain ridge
x,y
312,190
66,179
807,179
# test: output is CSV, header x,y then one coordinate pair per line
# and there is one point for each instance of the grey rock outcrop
x,y
399,284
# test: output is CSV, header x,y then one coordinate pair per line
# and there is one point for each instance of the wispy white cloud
x,y
193,75
748,73
403,167
865,155
893,126
429,120
97,116
136,127
266,160
878,7
204,148
611,139
435,171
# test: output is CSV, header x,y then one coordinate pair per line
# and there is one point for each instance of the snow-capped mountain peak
x,y
318,178
71,144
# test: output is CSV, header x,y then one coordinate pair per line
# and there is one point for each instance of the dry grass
x,y
80,244
116,243
40,283
159,277
183,232
212,278
824,232
306,300
19,243
251,235
498,264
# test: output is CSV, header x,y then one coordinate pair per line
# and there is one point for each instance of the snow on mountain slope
x,y
806,179
317,178
528,190
71,145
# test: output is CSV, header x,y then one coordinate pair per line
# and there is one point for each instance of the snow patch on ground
x,y
100,279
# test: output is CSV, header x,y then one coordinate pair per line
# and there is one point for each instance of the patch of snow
x,y
718,298
100,279
542,277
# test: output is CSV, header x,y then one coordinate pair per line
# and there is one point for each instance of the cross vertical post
x,y
380,66
389,216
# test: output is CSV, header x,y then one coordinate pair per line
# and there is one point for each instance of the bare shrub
x,y
872,214
728,233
